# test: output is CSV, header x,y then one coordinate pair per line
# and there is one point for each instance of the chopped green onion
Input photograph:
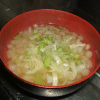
x,y
28,54
68,56
38,80
68,50
40,52
51,41
46,62
46,41
78,62
55,79
42,45
76,56
60,49
39,38
50,36
17,36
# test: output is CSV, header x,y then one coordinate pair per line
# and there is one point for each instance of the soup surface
x,y
49,55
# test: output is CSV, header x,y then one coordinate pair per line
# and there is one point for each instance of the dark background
x,y
12,8
86,9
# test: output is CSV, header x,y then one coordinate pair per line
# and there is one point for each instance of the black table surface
x,y
10,91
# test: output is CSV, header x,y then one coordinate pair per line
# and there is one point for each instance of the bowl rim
x,y
50,10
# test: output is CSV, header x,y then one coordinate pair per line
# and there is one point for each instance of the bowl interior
x,y
57,18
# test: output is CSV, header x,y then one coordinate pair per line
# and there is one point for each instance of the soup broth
x,y
49,55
